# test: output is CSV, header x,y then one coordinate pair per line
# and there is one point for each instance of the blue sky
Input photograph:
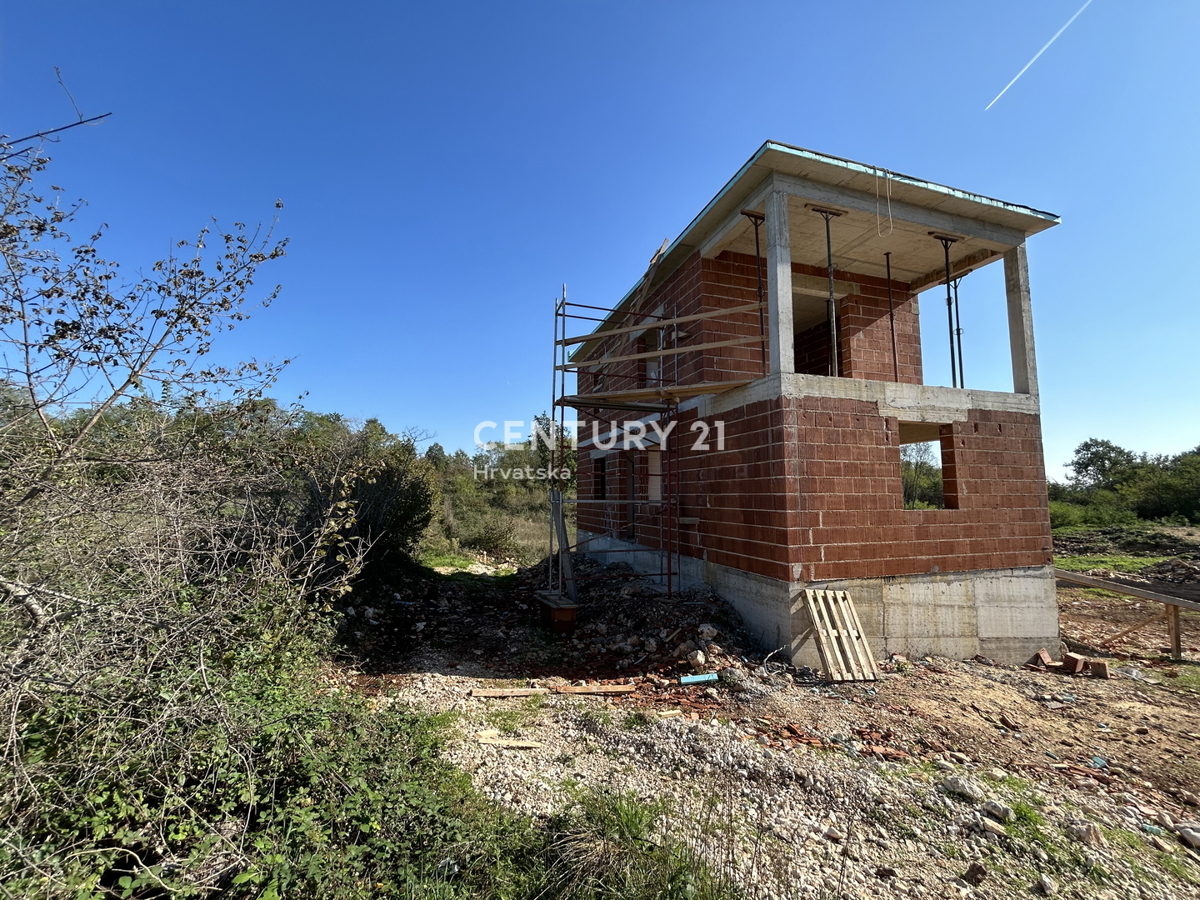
x,y
445,167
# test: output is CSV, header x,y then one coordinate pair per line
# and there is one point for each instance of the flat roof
x,y
866,230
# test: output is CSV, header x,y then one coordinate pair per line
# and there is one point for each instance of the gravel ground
x,y
944,779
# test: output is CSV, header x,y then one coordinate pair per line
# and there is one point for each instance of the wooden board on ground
x,y
596,689
508,692
839,635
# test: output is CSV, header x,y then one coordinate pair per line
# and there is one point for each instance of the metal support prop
x,y
962,378
946,241
892,318
834,353
757,218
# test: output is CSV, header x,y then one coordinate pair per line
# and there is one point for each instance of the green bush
x,y
1064,514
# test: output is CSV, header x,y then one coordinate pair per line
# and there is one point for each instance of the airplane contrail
x,y
1039,53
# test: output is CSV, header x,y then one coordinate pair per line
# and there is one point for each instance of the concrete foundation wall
x,y
1006,614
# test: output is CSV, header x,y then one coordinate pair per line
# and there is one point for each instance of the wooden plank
x,y
826,641
866,659
1118,588
1138,627
596,689
664,392
842,635
1175,632
507,692
666,351
872,667
820,633
678,320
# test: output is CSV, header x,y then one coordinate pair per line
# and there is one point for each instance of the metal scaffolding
x,y
655,389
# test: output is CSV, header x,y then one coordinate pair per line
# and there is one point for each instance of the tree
x,y
1100,464
153,548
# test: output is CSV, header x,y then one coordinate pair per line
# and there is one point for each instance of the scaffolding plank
x,y
661,393
665,351
1119,588
678,320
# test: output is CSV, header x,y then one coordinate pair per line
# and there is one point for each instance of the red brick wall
x,y
853,523
865,337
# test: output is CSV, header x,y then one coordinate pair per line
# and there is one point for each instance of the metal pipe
x,y
962,378
834,354
892,318
946,241
757,218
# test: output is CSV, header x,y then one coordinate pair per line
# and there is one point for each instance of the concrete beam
x,y
967,264
779,283
711,245
1020,321
932,219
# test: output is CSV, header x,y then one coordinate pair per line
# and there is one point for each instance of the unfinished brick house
x,y
815,371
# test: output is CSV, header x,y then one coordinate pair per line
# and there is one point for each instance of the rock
x,y
835,834
696,659
963,787
990,827
1087,833
1190,836
707,632
999,811
684,649
1046,884
650,645
1160,845
885,872
975,874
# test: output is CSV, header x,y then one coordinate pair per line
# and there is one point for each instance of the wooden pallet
x,y
840,639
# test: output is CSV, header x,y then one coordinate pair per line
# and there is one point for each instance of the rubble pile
x,y
1173,571
627,623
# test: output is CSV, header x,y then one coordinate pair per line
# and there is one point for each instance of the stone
x,y
999,811
885,872
963,787
1160,845
1191,837
975,874
1087,833
1046,884
991,827
707,632
696,659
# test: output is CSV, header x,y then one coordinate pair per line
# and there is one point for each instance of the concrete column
x,y
779,283
1020,321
